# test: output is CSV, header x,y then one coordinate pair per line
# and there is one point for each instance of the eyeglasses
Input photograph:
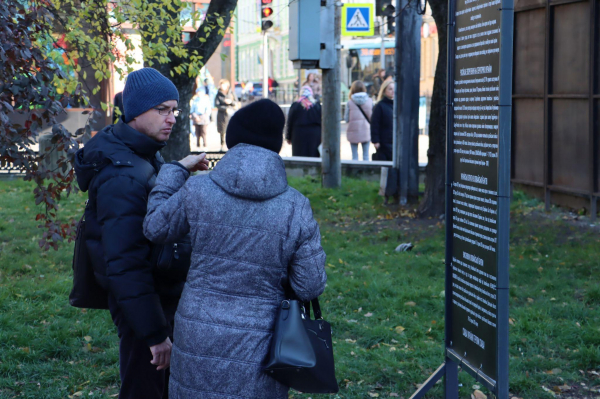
x,y
167,111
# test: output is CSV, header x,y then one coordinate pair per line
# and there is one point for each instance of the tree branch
x,y
216,9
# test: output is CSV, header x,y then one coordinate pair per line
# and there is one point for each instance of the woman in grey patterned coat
x,y
252,235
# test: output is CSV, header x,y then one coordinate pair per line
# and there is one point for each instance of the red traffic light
x,y
266,1
267,12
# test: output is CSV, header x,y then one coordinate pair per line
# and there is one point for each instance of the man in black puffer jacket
x,y
118,168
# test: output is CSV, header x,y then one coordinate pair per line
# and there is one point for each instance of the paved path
x,y
214,144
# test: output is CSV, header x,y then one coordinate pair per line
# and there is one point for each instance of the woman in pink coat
x,y
358,116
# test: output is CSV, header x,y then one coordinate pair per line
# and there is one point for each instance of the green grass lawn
x,y
386,308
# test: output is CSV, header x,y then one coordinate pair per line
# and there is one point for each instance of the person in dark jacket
x,y
254,239
382,122
118,168
226,105
304,125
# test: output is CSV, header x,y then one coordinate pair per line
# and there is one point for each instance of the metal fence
x,y
556,101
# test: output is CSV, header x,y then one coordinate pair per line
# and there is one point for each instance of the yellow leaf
x,y
410,303
399,329
87,338
373,394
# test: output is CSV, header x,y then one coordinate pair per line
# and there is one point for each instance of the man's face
x,y
155,125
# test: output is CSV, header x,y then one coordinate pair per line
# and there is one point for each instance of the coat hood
x,y
360,98
117,144
251,172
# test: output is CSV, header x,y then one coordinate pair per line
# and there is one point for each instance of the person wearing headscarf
x,y
304,125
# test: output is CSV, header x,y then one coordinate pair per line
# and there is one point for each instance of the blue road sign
x,y
357,20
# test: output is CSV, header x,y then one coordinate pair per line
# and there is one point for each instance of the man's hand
x,y
376,145
194,163
161,354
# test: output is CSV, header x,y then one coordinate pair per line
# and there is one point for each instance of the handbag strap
x,y
316,309
364,114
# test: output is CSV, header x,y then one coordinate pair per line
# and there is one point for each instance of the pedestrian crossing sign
x,y
357,20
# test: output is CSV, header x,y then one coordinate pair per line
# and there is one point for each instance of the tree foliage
x,y
27,78
58,52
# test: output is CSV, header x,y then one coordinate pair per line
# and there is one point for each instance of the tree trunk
x,y
178,145
433,203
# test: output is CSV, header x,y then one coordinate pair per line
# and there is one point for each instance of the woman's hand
x,y
194,163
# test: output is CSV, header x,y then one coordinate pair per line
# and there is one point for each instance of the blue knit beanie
x,y
144,89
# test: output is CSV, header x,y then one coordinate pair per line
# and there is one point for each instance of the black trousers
x,y
139,378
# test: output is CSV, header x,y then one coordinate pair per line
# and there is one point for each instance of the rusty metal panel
x,y
569,155
529,51
528,4
528,140
571,49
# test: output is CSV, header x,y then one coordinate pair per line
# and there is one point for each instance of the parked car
x,y
257,91
238,90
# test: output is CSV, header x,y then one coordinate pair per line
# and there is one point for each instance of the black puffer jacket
x,y
118,167
382,126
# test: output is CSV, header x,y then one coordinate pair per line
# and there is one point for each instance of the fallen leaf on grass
x,y
410,303
368,314
373,394
554,371
551,392
562,388
530,300
399,329
511,321
478,395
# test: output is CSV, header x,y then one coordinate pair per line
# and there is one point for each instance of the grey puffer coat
x,y
251,232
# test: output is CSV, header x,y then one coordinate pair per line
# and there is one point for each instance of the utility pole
x,y
332,108
406,99
382,32
265,65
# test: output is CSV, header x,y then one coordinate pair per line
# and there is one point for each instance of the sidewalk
x,y
214,144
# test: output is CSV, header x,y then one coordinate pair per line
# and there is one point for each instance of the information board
x,y
478,186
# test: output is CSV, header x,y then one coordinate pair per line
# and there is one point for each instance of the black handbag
x,y
301,355
86,292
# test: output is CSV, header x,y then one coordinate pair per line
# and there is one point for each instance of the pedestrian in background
x,y
313,81
225,103
304,125
200,110
378,80
358,116
382,122
255,241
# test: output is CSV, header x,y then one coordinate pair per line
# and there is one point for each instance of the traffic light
x,y
266,13
391,25
381,6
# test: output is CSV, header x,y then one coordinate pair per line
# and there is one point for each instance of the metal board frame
x,y
449,369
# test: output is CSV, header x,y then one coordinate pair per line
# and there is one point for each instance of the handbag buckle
x,y
285,304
